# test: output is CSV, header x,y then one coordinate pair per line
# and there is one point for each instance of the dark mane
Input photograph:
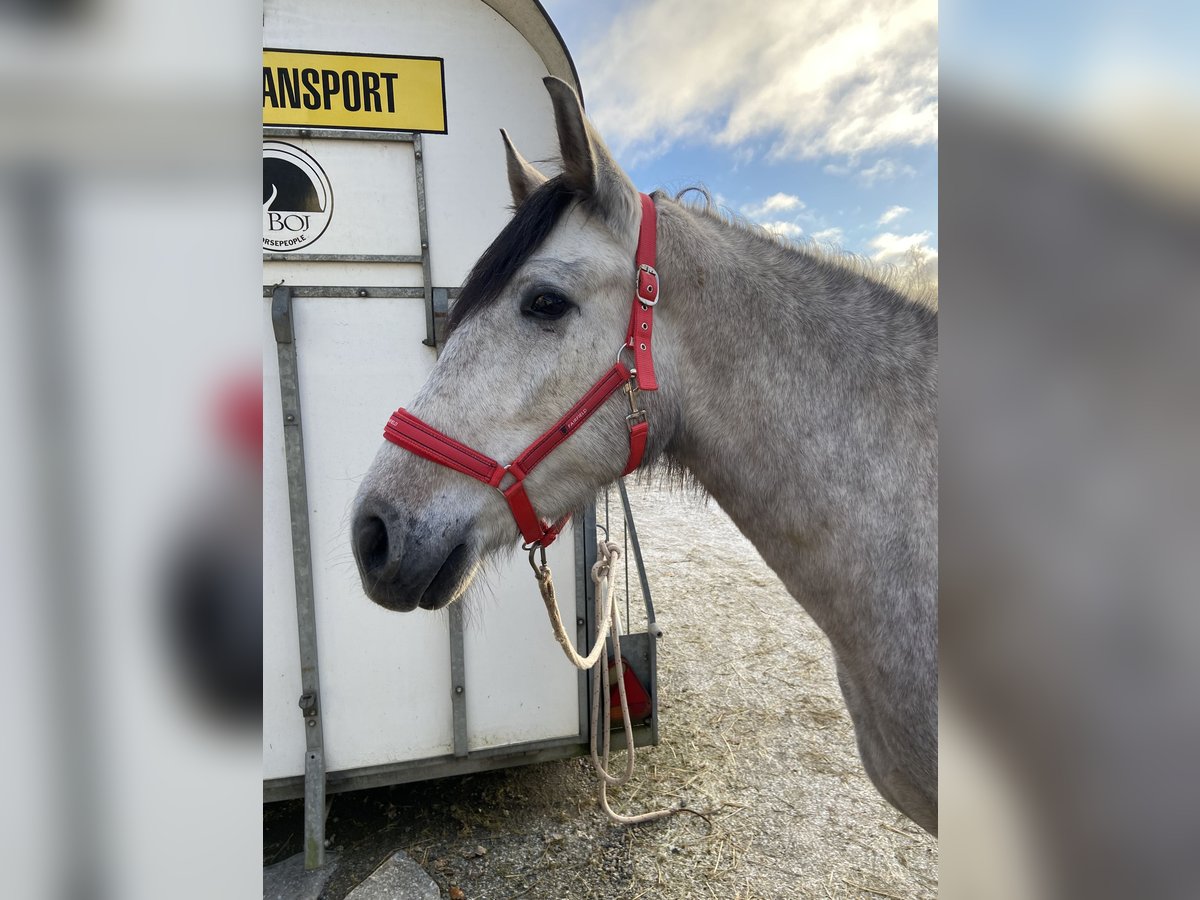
x,y
525,232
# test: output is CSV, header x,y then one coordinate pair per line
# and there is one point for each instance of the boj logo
x,y
297,198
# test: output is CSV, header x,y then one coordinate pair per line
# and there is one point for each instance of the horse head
x,y
540,317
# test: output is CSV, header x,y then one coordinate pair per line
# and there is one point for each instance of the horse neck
x,y
799,393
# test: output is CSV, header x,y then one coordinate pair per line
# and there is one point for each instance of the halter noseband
x,y
407,431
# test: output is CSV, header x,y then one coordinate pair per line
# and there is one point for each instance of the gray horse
x,y
800,394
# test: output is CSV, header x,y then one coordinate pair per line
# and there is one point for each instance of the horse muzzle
x,y
404,566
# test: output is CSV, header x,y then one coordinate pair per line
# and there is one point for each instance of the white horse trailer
x,y
384,180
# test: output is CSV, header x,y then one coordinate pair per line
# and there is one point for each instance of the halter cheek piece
x,y
407,431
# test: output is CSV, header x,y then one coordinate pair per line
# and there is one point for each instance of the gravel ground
x,y
754,732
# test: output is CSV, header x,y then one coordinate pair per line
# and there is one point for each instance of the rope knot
x,y
607,554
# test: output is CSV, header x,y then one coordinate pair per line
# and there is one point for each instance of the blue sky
x,y
815,118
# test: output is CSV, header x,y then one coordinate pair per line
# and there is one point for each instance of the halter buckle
x,y
647,285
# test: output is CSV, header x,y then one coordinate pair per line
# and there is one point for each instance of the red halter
x,y
407,431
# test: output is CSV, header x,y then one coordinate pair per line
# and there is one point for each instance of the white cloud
x,y
770,214
885,170
892,213
783,229
881,170
802,78
773,206
907,251
828,236
890,247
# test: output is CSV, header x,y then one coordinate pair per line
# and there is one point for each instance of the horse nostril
x,y
371,543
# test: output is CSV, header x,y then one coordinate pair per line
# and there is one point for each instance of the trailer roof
x,y
530,18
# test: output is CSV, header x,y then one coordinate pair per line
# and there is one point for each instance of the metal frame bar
x,y
310,684
586,642
631,533
340,257
340,134
349,292
458,680
422,219
583,605
485,760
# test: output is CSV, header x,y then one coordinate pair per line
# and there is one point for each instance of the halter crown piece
x,y
407,431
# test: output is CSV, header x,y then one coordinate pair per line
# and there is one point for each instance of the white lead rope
x,y
608,624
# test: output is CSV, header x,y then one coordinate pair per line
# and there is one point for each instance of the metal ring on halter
x,y
623,348
501,490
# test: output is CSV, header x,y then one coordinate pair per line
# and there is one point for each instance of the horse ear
x,y
588,167
523,179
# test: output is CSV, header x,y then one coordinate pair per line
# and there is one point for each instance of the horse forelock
x,y
517,242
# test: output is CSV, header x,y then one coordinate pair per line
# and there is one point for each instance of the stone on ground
x,y
399,878
289,880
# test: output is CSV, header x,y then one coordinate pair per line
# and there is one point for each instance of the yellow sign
x,y
316,89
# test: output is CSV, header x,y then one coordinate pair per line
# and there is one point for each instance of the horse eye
x,y
546,306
